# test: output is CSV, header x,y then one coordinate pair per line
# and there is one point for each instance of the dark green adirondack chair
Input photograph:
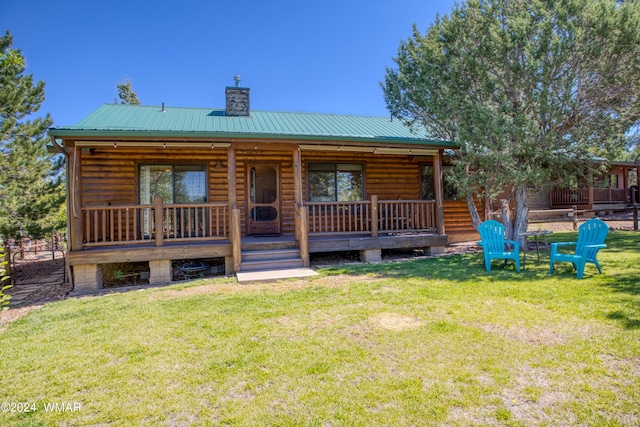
x,y
494,244
591,237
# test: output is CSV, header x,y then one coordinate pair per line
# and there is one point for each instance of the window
x,y
174,183
335,182
428,186
633,177
427,183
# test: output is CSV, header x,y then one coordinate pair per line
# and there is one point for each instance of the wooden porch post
x,y
231,177
374,216
158,217
75,205
297,189
236,239
437,172
235,235
304,236
301,214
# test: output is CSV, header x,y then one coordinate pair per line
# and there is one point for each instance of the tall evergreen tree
x,y
633,155
532,91
31,185
126,93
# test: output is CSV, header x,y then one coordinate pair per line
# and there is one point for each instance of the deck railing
x,y
581,196
389,216
196,222
339,217
108,225
135,224
406,215
569,197
611,195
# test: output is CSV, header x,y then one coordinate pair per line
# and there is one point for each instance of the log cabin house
x,y
256,189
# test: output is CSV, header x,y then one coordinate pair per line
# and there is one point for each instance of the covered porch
x,y
160,233
255,204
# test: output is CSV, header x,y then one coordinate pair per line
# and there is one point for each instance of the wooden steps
x,y
265,253
270,259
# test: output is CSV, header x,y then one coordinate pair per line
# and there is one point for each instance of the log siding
x,y
109,177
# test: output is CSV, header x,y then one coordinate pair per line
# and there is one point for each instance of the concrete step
x,y
274,275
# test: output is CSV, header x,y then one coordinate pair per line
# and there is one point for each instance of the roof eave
x,y
84,133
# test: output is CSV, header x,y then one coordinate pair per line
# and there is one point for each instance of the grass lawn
x,y
426,342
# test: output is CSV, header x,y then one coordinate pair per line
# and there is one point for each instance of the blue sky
x,y
307,56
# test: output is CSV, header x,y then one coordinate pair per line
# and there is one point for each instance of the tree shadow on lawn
x,y
457,268
620,270
627,321
618,261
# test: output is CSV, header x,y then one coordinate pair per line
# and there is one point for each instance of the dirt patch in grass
x,y
395,322
387,290
540,336
13,314
280,286
531,400
550,334
628,365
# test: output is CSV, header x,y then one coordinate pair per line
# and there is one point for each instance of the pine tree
x,y
531,91
31,184
126,93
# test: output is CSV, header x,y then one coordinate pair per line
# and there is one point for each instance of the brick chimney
x,y
237,100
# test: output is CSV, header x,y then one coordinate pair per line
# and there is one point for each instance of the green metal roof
x,y
113,120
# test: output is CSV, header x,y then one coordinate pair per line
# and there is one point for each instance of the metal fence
x,y
37,266
620,218
39,262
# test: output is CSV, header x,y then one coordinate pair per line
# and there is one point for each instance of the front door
x,y
263,207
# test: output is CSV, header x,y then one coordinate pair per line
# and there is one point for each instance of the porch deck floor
x,y
222,248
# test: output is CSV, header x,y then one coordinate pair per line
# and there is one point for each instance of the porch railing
x,y
108,225
134,224
406,215
389,216
581,196
569,197
611,195
137,224
339,217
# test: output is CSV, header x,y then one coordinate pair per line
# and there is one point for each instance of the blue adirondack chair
x,y
591,236
494,244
